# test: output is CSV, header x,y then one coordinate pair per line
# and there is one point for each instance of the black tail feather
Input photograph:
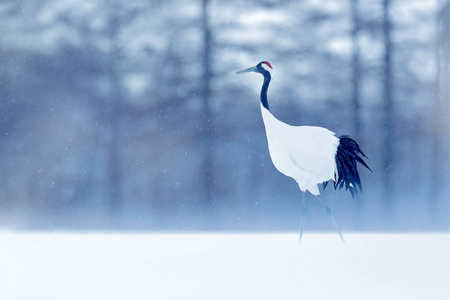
x,y
347,156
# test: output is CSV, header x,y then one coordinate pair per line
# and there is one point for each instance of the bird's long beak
x,y
252,69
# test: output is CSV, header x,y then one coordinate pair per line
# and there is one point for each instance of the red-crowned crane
x,y
311,155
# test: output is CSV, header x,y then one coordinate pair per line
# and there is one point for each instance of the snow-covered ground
x,y
210,266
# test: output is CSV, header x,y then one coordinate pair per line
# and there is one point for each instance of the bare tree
x,y
207,126
442,96
388,109
356,70
114,111
356,88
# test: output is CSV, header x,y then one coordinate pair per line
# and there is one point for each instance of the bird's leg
x,y
302,219
330,214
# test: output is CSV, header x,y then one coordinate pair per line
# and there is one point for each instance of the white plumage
x,y
310,155
305,153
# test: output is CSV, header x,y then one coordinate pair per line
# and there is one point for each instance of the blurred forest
x,y
128,115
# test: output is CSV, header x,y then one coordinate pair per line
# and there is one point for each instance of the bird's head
x,y
263,68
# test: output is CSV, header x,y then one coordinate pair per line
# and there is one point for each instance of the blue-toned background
x,y
128,115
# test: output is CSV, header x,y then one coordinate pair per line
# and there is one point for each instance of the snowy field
x,y
223,266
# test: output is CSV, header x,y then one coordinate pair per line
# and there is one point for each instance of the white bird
x,y
311,155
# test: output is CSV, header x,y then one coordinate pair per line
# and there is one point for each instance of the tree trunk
x,y
356,95
388,124
442,96
356,71
114,116
207,126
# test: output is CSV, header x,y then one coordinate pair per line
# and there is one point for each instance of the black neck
x,y
264,88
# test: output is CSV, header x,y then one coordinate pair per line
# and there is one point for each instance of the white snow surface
x,y
230,266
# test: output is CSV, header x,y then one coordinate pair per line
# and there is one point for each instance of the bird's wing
x,y
313,151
